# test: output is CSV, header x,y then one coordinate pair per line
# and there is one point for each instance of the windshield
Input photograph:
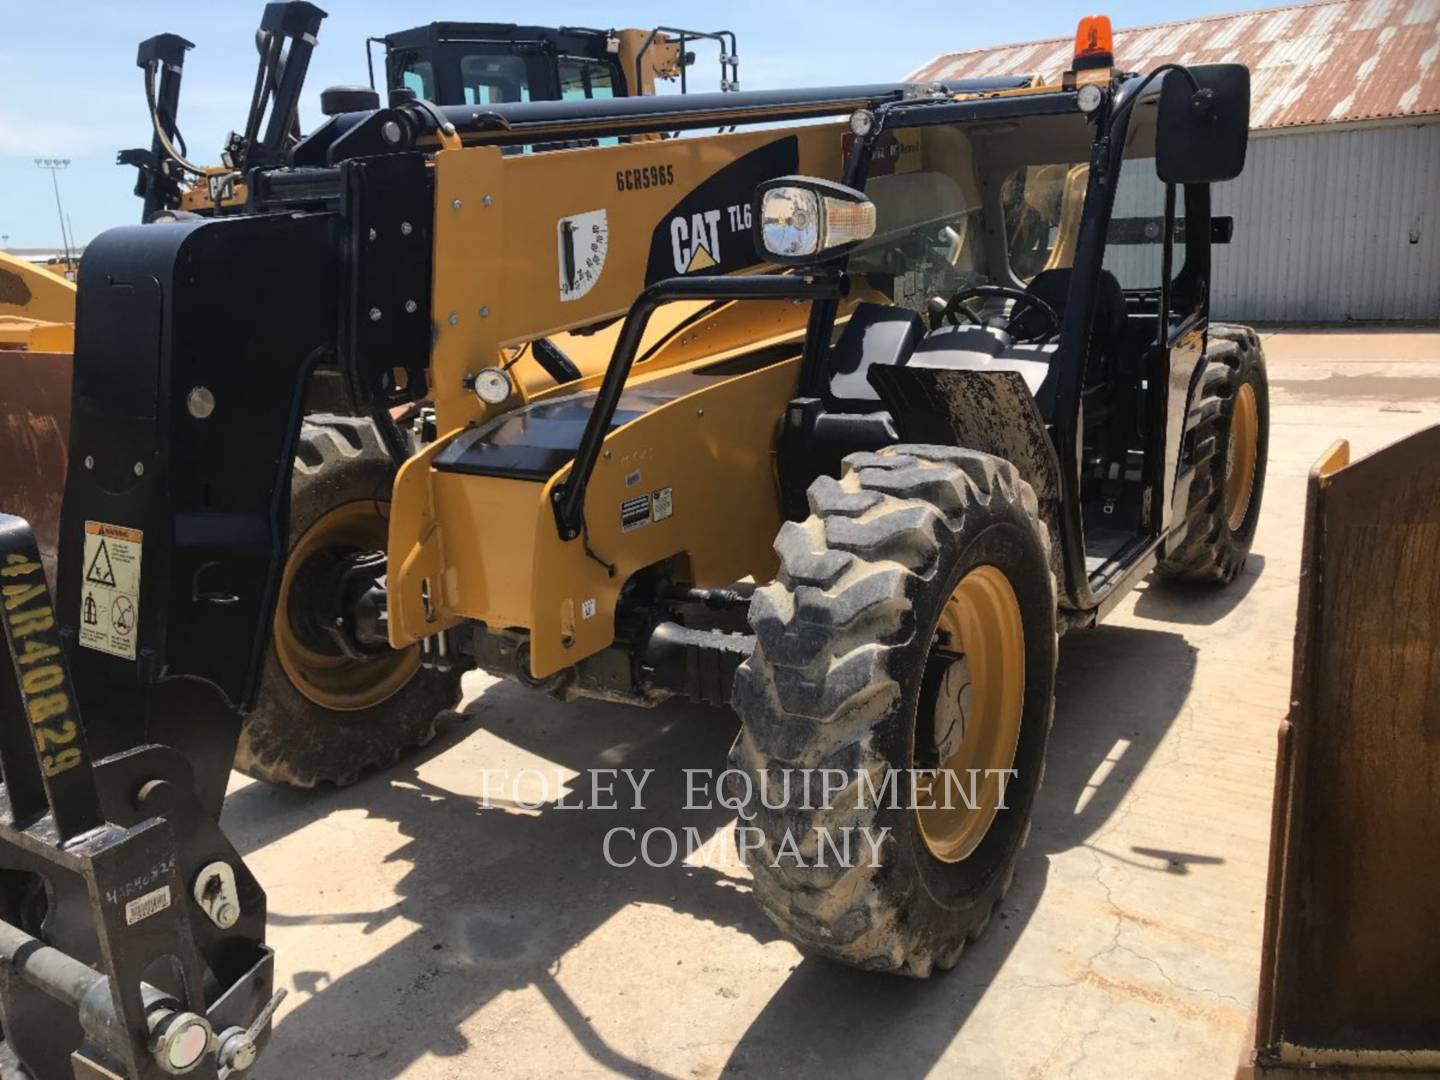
x,y
955,209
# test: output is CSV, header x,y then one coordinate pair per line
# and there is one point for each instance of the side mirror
x,y
1221,229
1201,134
803,220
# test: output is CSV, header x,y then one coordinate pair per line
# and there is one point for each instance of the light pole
x,y
55,165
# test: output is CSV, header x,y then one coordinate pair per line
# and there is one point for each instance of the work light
x,y
801,219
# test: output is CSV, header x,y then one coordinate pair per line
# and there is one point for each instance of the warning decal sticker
x,y
634,513
110,591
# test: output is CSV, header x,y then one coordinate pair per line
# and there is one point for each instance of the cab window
x,y
1135,239
585,80
929,236
419,76
582,80
493,80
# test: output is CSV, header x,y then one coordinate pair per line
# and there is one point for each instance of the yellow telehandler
x,y
830,421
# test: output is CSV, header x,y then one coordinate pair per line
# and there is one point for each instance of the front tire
x,y
856,667
322,717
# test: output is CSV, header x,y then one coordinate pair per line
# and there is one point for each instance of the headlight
x,y
801,218
790,222
493,386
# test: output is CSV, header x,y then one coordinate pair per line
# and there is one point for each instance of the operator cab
x,y
498,63
464,63
970,268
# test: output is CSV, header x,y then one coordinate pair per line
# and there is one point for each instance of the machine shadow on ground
x,y
498,899
1196,605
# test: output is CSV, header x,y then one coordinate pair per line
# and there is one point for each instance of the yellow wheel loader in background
x,y
873,425
37,338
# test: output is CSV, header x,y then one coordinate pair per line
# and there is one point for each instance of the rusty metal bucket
x,y
1352,924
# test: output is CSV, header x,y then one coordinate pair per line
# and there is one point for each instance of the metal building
x,y
1337,215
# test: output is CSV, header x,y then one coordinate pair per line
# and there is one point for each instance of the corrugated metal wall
x,y
1333,225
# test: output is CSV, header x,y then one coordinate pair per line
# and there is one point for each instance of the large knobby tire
x,y
1230,442
322,717
849,673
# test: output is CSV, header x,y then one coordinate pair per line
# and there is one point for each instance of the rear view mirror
x,y
1221,229
1202,133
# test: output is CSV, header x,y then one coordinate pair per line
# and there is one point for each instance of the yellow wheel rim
x,y
339,682
974,714
1240,459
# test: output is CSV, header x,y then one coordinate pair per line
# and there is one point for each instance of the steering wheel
x,y
956,307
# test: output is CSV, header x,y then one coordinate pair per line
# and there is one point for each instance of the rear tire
x,y
367,713
1233,399
846,659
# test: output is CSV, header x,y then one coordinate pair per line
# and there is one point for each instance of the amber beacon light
x,y
1094,44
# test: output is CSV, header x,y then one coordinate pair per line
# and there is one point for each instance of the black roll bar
x,y
569,495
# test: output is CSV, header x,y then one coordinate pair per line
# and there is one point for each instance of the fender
x,y
990,411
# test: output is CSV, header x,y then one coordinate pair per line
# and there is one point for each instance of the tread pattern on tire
x,y
288,739
835,633
1211,553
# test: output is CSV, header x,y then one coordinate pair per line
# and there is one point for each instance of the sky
x,y
77,94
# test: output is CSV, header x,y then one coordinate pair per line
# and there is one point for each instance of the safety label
x,y
634,513
110,590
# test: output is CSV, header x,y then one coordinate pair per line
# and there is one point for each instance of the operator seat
x,y
875,334
1107,331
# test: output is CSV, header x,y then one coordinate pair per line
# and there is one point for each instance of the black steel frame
x,y
115,843
569,495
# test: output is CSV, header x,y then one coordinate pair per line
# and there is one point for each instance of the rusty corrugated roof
x,y
1319,63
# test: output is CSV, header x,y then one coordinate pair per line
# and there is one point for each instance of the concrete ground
x,y
421,935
